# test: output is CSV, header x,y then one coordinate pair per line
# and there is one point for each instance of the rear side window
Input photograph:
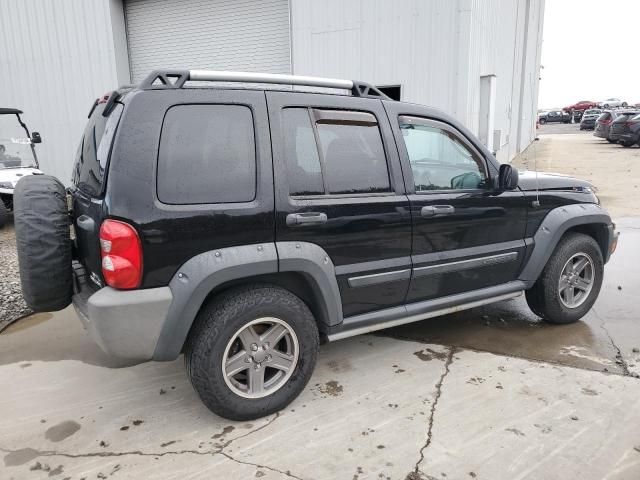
x,y
207,154
94,150
334,152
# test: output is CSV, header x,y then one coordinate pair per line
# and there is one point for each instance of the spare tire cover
x,y
43,242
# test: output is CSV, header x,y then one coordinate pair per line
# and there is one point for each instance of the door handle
x,y
309,218
437,210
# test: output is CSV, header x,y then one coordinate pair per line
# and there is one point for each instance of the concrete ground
x,y
491,393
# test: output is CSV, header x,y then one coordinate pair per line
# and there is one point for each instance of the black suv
x,y
244,226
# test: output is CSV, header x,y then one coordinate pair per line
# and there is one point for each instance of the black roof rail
x,y
171,79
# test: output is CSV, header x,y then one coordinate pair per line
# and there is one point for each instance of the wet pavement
x,y
606,339
491,393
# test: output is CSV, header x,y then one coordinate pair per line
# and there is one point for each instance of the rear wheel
x,y
251,351
43,242
4,214
570,282
626,144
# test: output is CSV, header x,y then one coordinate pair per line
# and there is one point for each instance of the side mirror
x,y
508,177
36,138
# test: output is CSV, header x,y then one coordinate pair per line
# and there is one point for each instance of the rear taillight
x,y
121,253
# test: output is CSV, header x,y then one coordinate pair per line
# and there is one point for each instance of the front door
x,y
467,235
339,185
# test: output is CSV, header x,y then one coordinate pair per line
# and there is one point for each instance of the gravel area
x,y
12,305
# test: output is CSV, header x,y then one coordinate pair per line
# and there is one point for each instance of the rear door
x,y
88,180
339,185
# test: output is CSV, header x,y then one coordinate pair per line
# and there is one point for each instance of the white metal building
x,y
476,59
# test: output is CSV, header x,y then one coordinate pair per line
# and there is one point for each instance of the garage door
x,y
243,35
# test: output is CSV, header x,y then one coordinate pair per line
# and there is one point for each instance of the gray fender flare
x,y
553,227
315,264
196,278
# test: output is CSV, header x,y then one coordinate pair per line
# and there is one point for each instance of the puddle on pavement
x,y
27,322
51,337
62,430
20,457
509,328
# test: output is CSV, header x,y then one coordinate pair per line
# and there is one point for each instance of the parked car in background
x,y
621,128
612,103
588,120
631,133
581,106
603,125
554,116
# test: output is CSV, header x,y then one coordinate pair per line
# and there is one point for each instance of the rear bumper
x,y
628,137
125,324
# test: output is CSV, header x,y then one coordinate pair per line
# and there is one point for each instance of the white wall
x,y
437,50
56,58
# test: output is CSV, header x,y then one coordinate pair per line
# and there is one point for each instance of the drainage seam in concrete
x,y
449,360
217,451
619,357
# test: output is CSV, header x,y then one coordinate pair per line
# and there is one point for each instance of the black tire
x,y
43,242
4,214
215,326
611,141
606,106
626,144
544,299
624,104
542,121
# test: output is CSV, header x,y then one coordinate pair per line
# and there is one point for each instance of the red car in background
x,y
580,106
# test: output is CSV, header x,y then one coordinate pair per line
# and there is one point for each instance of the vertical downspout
x,y
463,65
523,74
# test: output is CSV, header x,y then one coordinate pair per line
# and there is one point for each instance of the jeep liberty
x,y
242,226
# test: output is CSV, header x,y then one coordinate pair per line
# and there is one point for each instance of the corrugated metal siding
x,y
56,57
437,51
240,35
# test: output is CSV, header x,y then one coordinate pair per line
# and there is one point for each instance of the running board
x,y
392,317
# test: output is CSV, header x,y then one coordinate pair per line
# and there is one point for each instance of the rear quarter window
x,y
94,150
207,155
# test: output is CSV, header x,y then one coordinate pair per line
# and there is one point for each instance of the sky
x,y
589,52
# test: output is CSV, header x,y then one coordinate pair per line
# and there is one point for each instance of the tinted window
x,y
301,153
353,155
439,160
207,155
94,149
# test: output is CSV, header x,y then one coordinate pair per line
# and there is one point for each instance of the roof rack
x,y
170,79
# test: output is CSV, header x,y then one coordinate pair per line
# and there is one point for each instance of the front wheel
x,y
542,121
626,144
611,141
624,104
251,351
570,282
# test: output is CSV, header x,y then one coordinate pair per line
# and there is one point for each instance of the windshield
x,y
15,145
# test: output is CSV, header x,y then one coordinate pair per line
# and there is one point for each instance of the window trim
x,y
338,116
256,157
429,122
